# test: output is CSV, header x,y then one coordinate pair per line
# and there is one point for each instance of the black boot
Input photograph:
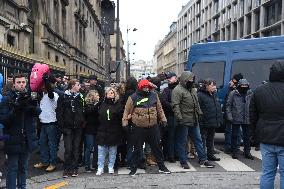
x,y
213,158
249,156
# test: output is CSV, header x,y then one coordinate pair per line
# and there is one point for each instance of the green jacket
x,y
185,102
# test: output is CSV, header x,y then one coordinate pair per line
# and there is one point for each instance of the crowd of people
x,y
139,123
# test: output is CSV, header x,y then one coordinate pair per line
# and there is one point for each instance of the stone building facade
x,y
65,32
166,52
222,20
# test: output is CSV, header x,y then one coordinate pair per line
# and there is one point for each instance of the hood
x,y
277,72
185,77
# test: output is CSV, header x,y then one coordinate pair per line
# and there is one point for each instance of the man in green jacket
x,y
187,112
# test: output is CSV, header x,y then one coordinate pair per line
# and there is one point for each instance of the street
x,y
228,173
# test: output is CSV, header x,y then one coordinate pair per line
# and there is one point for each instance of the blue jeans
x,y
194,133
48,143
17,170
272,156
228,137
172,125
90,143
102,152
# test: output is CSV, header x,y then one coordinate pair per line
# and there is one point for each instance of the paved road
x,y
228,173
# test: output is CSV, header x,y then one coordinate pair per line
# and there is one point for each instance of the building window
x,y
10,40
257,21
275,32
248,24
56,58
274,11
241,28
56,15
64,22
48,55
64,62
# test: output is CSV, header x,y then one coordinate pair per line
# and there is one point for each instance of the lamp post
x,y
128,53
118,61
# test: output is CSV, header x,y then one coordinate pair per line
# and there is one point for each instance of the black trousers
x,y
152,137
246,137
72,139
207,135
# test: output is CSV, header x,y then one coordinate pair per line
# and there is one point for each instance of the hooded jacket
x,y
185,101
237,105
267,108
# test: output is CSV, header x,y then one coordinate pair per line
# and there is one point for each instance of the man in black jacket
x,y
18,112
267,119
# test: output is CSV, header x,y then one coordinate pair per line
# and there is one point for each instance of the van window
x,y
255,71
213,70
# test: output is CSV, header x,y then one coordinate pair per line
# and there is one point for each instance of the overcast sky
x,y
152,18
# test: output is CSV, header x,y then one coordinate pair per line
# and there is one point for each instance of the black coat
x,y
166,100
267,113
70,111
109,131
211,108
20,125
92,118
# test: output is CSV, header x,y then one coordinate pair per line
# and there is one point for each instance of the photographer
x,y
18,112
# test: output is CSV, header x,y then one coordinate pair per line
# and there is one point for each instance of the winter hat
x,y
144,83
243,82
170,75
238,77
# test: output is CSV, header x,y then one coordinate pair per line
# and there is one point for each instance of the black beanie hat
x,y
238,77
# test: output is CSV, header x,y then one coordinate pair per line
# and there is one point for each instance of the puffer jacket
x,y
185,102
146,111
70,111
20,125
267,108
237,107
211,108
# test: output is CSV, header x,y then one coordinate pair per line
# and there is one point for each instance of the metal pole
x,y
128,58
118,61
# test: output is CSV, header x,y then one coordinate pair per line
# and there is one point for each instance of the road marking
x,y
57,185
230,164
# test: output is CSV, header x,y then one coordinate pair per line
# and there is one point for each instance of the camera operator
x,y
18,111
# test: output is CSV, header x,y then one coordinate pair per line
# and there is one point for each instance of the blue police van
x,y
221,60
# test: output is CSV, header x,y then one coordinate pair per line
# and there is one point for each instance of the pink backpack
x,y
36,81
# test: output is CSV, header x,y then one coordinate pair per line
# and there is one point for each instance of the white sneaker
x,y
100,172
110,170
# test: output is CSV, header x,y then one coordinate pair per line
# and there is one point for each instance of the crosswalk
x,y
226,164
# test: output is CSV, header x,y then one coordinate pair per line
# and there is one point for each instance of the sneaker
x,y
235,156
110,170
191,156
100,172
185,165
50,168
88,170
66,174
206,164
40,166
75,173
249,156
164,169
133,172
213,158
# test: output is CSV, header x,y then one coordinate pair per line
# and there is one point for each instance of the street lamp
x,y
128,53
